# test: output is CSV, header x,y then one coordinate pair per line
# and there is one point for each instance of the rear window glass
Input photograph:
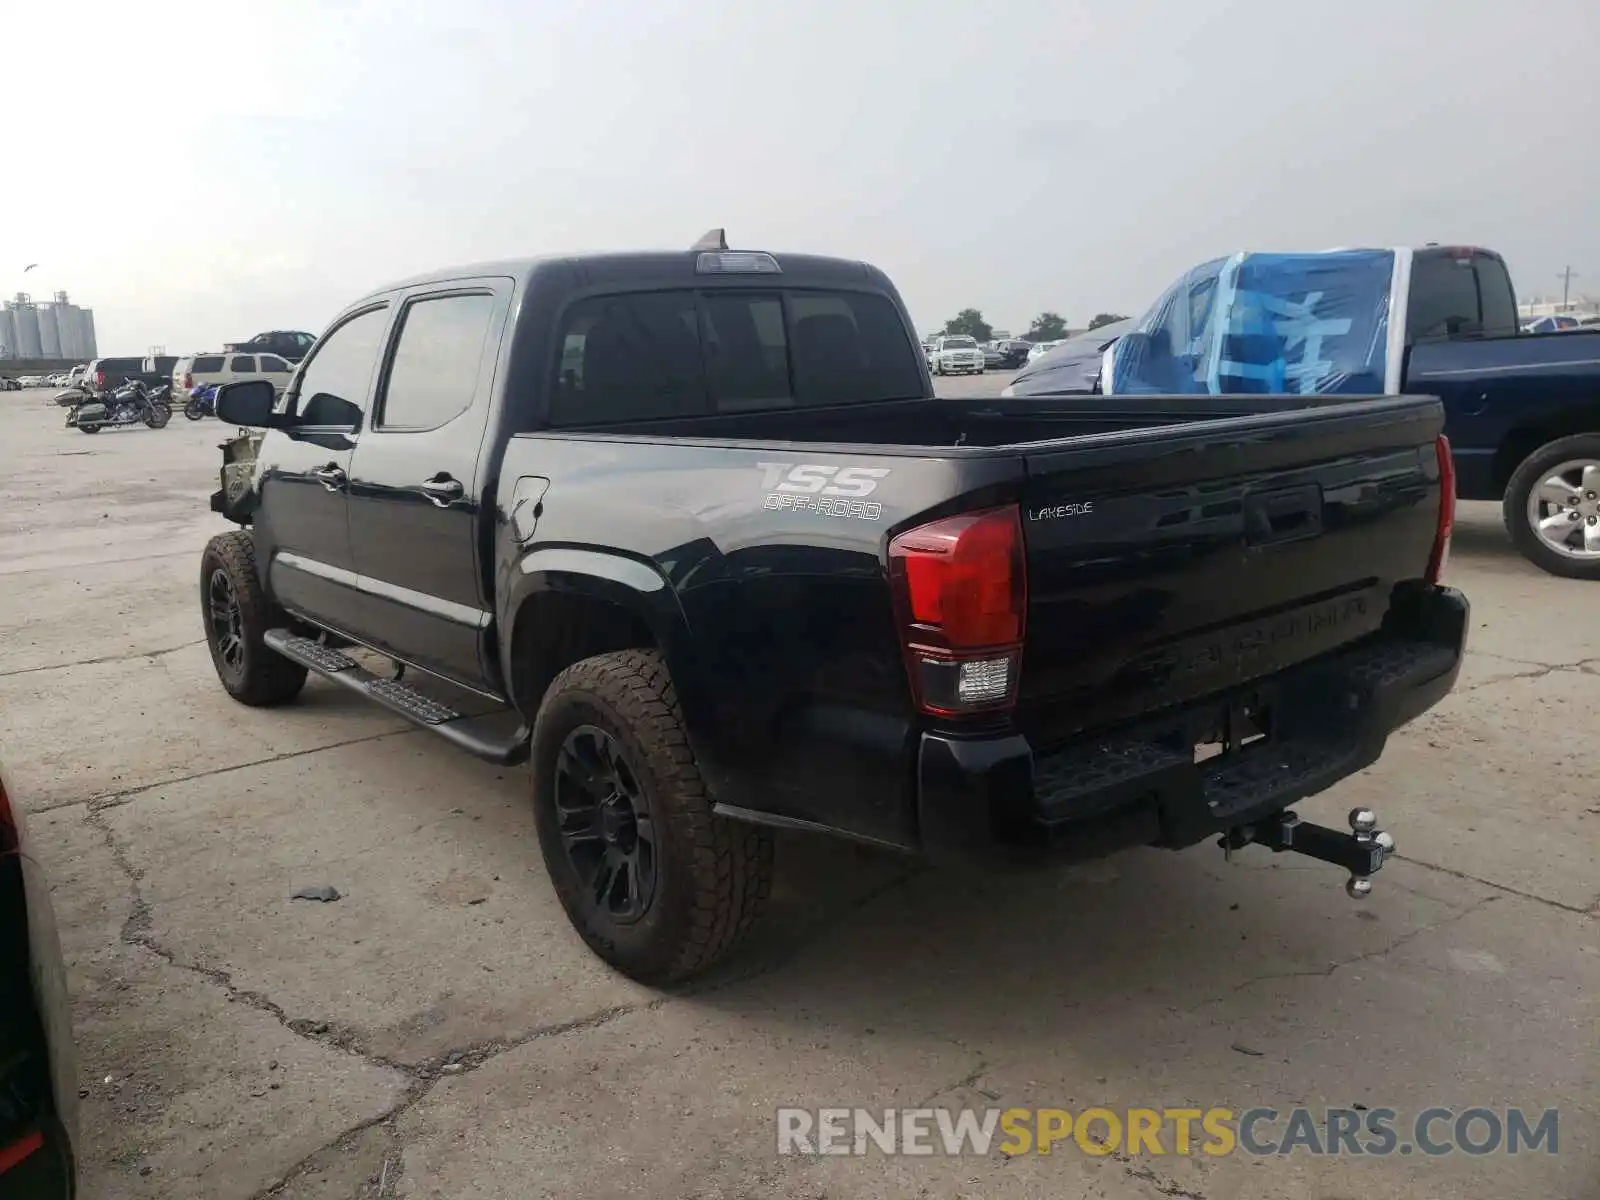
x,y
653,355
207,363
1444,298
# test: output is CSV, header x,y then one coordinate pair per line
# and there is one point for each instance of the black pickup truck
x,y
690,530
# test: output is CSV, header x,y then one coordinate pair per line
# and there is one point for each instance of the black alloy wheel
x,y
225,621
606,824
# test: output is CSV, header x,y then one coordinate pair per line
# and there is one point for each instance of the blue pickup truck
x,y
1522,410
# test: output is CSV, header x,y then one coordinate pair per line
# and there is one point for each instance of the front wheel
x,y
237,616
158,416
655,883
1552,507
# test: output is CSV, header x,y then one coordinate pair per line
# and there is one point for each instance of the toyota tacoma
x,y
689,532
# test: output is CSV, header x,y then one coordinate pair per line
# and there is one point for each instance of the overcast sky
x,y
271,161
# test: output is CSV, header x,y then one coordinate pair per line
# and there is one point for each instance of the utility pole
x,y
1567,277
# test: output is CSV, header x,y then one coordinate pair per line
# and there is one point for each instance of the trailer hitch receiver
x,y
1361,851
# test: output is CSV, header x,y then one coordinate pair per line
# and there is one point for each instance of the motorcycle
x,y
126,405
202,402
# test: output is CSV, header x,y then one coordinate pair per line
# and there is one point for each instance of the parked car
x,y
956,354
1551,324
288,344
8,384
739,568
1522,410
1039,349
991,356
38,1068
1013,352
1070,367
102,374
192,372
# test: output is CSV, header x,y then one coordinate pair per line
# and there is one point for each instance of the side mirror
x,y
250,402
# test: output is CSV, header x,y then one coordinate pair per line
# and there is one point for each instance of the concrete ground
x,y
440,1032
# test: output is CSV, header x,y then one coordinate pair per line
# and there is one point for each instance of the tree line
x,y
1046,327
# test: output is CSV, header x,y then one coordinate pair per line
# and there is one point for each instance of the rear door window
x,y
1444,298
243,364
1496,296
271,364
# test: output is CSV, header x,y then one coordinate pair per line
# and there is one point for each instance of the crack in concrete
x,y
1339,964
116,799
469,1058
1164,1186
388,1119
1541,670
968,1080
1499,887
109,658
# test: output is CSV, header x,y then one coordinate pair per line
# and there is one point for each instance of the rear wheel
x,y
91,428
194,410
657,885
1552,507
237,616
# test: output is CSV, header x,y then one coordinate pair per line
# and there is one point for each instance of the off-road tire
x,y
713,875
1514,506
264,677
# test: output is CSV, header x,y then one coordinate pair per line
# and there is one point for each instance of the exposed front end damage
x,y
237,498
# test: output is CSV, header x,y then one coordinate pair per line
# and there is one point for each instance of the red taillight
x,y
1447,509
961,593
13,1154
188,380
100,379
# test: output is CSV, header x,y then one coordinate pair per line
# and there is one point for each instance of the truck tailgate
x,y
1171,563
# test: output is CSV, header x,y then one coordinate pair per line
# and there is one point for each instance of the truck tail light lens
x,y
1447,510
961,594
100,379
188,380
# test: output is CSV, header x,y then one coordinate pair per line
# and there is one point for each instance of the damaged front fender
x,y
236,500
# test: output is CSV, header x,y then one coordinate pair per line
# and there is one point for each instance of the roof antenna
x,y
712,239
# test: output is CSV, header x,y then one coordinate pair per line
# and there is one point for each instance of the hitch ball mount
x,y
1361,851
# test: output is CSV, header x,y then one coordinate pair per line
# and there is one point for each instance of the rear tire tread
x,y
729,864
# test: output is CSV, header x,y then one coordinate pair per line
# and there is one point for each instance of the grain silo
x,y
25,326
49,331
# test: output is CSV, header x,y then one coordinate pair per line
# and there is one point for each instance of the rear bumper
x,y
997,800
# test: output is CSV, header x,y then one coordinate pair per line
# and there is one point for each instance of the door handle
x,y
330,477
442,489
1282,516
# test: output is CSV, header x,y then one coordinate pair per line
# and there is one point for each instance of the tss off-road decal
x,y
825,490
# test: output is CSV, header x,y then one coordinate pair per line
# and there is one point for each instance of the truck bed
x,y
1170,556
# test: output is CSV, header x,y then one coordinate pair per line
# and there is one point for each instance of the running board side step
x,y
490,736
